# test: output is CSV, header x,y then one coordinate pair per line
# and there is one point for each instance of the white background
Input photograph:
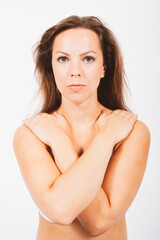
x,y
136,26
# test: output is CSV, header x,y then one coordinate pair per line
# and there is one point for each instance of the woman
x,y
84,155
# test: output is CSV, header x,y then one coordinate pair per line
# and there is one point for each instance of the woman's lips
x,y
76,87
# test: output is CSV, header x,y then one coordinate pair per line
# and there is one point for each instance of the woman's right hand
x,y
50,129
116,125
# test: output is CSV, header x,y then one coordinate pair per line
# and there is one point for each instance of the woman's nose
x,y
75,74
75,70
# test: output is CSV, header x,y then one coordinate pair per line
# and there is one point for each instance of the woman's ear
x,y
103,71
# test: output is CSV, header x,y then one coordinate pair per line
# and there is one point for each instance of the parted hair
x,y
110,91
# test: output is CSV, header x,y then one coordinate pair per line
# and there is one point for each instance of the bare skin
x,y
119,192
100,157
75,230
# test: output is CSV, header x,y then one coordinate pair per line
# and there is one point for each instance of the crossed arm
x,y
91,217
121,182
118,186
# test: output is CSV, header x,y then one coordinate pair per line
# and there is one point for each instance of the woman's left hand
x,y
50,129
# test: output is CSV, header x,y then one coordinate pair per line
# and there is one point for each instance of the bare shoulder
x,y
24,135
22,131
137,143
140,132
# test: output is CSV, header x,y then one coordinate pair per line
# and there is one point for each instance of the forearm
x,y
96,213
95,210
72,183
65,156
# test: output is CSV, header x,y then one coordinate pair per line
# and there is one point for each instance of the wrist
x,y
106,138
59,141
64,154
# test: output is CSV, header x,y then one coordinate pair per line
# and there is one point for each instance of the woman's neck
x,y
80,116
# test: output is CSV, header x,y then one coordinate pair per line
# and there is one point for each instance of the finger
x,y
124,113
27,120
107,112
43,115
38,116
133,118
129,114
104,111
28,123
102,114
57,114
61,116
117,111
133,115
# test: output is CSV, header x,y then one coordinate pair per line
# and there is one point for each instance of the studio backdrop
x,y
135,24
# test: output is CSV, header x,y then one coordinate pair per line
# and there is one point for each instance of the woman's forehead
x,y
76,38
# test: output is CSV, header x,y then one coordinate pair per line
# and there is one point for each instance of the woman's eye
x,y
62,59
89,59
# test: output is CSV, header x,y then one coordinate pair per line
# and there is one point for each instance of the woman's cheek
x,y
60,78
94,77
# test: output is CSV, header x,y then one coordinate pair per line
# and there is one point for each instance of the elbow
x,y
56,210
56,214
59,219
101,226
96,231
62,216
64,221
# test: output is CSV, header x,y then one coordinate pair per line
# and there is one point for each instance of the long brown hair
x,y
110,91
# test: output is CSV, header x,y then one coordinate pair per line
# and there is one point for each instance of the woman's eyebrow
x,y
80,54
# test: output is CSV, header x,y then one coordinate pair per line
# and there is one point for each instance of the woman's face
x,y
77,59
